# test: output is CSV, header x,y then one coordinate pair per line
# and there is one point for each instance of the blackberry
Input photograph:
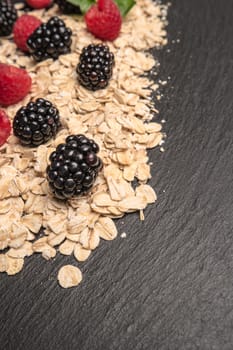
x,y
50,40
74,167
8,16
95,66
68,8
36,123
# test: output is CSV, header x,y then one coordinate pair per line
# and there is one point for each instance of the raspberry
x,y
95,67
36,123
5,127
74,167
39,4
50,40
15,83
8,16
104,20
23,28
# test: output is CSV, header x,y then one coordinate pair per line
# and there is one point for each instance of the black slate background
x,y
169,284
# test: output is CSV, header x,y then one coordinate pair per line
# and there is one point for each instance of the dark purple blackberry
x,y
50,40
36,123
8,16
74,167
68,8
95,66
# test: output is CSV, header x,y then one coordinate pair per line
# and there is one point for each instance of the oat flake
x,y
118,118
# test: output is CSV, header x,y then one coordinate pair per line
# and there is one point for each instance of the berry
x,y
95,66
5,127
8,16
104,20
39,4
36,123
68,8
74,167
15,83
23,28
50,40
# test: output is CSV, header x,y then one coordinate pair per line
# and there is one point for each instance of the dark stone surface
x,y
168,285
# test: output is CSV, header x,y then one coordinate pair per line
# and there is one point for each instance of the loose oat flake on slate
x,y
118,118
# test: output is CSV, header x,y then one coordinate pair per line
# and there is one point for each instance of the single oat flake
x,y
118,118
69,276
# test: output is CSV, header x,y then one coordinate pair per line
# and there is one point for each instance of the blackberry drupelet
x,y
68,8
74,167
50,40
36,123
8,16
95,66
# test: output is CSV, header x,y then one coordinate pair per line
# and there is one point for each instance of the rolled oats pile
x,y
118,118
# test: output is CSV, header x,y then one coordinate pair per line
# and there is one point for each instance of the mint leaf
x,y
83,4
125,6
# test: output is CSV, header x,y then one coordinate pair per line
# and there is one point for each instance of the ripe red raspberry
x,y
15,83
104,20
23,28
5,127
39,4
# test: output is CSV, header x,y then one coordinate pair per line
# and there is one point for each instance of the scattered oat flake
x,y
3,263
69,276
118,118
14,265
80,253
67,247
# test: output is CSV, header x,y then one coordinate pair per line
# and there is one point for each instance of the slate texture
x,y
169,284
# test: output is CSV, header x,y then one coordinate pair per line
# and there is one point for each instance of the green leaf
x,y
125,6
83,4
